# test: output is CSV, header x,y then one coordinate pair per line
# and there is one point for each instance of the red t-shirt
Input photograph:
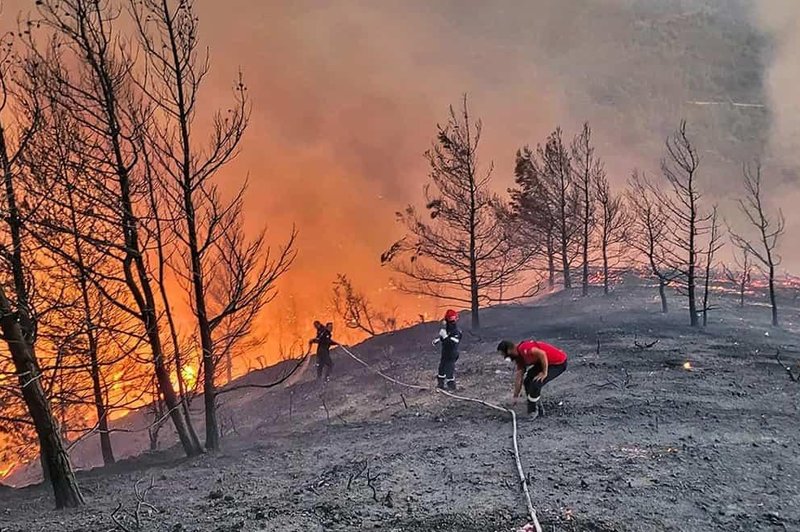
x,y
525,349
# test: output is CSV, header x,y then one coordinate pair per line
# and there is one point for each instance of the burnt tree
x,y
55,457
532,208
357,311
613,226
587,169
686,220
464,251
742,275
769,229
715,243
100,90
17,321
163,240
168,33
649,232
564,197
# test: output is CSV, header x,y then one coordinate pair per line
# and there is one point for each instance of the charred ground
x,y
632,440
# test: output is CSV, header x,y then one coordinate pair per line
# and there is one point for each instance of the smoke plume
x,y
347,95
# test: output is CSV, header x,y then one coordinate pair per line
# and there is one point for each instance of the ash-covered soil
x,y
631,441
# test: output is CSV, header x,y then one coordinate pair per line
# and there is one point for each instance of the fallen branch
x,y
353,477
643,346
118,515
520,470
327,412
114,517
96,429
620,385
370,480
141,502
792,376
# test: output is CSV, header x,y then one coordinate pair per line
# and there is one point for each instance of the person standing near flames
x,y
537,364
324,342
450,338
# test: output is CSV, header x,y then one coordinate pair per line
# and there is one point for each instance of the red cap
x,y
451,315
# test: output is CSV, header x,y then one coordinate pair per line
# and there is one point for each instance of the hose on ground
x,y
520,470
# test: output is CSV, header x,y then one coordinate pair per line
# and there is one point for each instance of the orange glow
x,y
687,365
335,146
189,374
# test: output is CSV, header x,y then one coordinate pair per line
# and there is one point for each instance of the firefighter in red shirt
x,y
537,364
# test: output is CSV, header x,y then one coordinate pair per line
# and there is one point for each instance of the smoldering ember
x,y
399,265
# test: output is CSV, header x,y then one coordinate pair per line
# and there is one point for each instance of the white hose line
x,y
520,471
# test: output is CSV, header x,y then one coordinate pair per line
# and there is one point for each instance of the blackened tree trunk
x,y
180,67
662,293
613,224
691,277
587,169
772,297
162,265
100,407
55,458
82,276
551,260
473,260
565,260
714,245
770,230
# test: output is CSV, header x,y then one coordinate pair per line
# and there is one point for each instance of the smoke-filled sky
x,y
347,94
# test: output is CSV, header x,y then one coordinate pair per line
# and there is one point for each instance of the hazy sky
x,y
347,94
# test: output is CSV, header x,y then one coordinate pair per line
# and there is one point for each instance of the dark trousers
x,y
447,369
324,363
533,388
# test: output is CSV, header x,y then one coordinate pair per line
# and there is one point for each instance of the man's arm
x,y
455,337
518,382
541,357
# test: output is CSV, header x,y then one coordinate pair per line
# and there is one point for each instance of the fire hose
x,y
520,470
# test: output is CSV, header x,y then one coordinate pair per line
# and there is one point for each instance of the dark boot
x,y
533,410
451,385
440,383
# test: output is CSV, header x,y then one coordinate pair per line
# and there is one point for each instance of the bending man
x,y
537,364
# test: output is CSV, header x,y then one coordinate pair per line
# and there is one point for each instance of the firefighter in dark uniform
x,y
450,338
324,342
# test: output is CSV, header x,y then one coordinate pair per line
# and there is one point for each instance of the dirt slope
x,y
632,440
